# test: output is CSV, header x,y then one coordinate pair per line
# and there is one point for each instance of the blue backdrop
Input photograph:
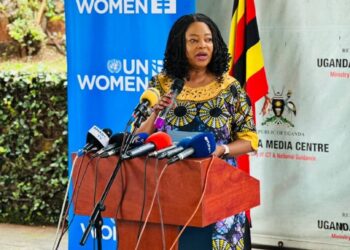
x,y
113,49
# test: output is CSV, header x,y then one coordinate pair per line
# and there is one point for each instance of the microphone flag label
x,y
100,135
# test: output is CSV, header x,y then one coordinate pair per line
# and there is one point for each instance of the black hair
x,y
175,61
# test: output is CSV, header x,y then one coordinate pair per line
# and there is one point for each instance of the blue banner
x,y
113,49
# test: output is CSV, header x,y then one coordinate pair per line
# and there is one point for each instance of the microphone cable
x,y
59,226
123,191
144,195
198,205
121,151
76,188
64,202
95,190
151,205
121,197
158,200
95,181
64,230
160,207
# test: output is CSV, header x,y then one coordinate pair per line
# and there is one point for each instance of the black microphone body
x,y
174,151
141,108
111,151
160,152
148,147
105,149
114,142
88,146
184,154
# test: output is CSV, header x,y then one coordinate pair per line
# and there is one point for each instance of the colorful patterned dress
x,y
223,109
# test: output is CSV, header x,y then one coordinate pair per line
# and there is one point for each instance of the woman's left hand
x,y
219,151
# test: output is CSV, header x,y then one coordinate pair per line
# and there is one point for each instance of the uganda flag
x,y
247,64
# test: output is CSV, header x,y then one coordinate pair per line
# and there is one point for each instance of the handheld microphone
x,y
156,141
201,145
175,90
95,139
149,98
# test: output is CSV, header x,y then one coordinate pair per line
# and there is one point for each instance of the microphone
x,y
201,145
158,153
155,141
137,140
108,132
149,98
183,144
171,151
175,90
95,139
117,138
115,141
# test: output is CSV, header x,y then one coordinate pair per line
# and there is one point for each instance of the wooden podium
x,y
180,190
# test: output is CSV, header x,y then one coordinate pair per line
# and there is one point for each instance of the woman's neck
x,y
199,78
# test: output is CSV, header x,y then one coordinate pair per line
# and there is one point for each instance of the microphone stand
x,y
96,219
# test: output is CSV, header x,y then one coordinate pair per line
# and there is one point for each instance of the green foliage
x,y
23,27
2,8
51,10
33,147
28,34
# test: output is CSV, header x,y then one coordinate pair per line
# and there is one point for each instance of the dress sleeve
x,y
153,82
243,126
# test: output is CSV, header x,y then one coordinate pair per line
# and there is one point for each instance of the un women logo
x,y
114,65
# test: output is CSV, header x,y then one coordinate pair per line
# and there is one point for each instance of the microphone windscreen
x,y
139,139
116,138
97,137
160,140
108,131
90,138
152,95
203,144
184,142
177,85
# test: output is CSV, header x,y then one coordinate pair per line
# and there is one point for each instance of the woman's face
x,y
199,45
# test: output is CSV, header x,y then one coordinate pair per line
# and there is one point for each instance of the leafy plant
x,y
28,34
23,27
33,151
52,10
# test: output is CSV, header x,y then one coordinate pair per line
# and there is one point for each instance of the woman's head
x,y
195,41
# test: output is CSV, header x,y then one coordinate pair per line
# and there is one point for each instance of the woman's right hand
x,y
165,101
148,125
